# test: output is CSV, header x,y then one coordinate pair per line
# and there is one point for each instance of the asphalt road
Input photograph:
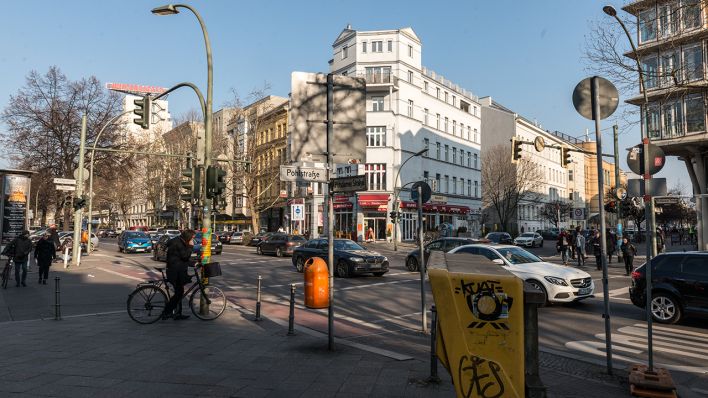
x,y
385,311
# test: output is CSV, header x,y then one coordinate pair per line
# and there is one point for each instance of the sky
x,y
527,55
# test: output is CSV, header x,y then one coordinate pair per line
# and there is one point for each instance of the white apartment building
x,y
500,125
409,108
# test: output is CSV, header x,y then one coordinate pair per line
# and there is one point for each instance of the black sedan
x,y
443,244
256,240
349,258
280,244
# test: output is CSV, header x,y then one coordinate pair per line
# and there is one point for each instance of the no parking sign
x,y
578,214
298,212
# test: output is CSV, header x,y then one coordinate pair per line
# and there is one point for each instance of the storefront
x,y
433,215
374,208
344,218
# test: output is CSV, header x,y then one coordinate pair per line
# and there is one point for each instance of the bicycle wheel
x,y
215,308
5,275
146,303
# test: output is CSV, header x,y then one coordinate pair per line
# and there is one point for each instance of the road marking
x,y
376,284
121,275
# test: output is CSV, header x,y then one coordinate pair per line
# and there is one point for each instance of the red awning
x,y
373,200
437,208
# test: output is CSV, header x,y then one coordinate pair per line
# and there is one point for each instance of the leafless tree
x,y
505,185
556,212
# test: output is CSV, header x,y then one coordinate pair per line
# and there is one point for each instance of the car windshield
x,y
517,255
346,245
527,235
134,235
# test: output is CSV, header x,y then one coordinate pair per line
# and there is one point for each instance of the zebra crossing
x,y
674,348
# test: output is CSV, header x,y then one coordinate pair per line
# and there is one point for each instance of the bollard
x,y
78,258
532,300
433,346
291,317
66,257
258,299
57,304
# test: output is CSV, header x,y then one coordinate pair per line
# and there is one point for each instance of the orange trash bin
x,y
316,283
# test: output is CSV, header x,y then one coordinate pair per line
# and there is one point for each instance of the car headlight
x,y
356,259
556,281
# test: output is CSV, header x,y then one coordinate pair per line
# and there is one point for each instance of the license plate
x,y
139,250
584,291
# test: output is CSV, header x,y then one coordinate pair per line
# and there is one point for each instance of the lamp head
x,y
168,9
609,10
421,152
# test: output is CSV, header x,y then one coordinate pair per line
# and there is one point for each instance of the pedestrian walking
x,y
611,245
580,247
573,238
44,254
628,253
370,235
19,249
596,242
563,243
659,241
179,250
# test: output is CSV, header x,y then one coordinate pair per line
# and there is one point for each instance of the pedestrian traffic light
x,y
80,203
394,216
215,182
565,157
143,108
515,149
191,183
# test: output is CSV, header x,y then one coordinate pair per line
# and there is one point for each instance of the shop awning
x,y
373,200
437,208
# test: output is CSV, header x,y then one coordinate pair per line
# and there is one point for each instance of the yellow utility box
x,y
480,328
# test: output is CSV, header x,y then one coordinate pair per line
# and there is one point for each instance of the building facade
x,y
409,108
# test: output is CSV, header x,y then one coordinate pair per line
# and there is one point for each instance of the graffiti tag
x,y
480,377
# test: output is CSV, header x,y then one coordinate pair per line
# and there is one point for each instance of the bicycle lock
x,y
57,304
291,317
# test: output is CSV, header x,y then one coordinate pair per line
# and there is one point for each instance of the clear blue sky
x,y
525,54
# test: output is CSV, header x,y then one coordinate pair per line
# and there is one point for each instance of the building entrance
x,y
375,223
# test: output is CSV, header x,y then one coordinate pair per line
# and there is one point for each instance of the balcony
x,y
379,82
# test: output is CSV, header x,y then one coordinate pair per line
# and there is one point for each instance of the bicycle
x,y
149,299
6,273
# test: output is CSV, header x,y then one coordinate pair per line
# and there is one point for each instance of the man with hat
x,y
19,249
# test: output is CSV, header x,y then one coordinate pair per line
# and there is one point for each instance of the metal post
x,y
57,304
433,345
603,232
291,317
615,136
258,299
330,209
422,265
66,257
78,214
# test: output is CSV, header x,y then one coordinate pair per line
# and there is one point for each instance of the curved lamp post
x,y
171,9
397,192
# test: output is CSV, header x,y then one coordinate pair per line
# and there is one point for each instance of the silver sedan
x,y
529,239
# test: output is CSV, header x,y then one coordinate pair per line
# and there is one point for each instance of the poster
x,y
14,214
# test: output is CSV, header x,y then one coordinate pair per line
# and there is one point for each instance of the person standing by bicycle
x,y
179,251
19,249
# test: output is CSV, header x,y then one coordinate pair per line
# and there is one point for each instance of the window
x,y
695,265
426,176
462,157
376,176
410,108
469,157
437,183
437,92
468,133
426,145
377,104
345,52
376,46
363,47
454,127
437,121
378,74
691,14
445,96
454,185
425,87
438,150
462,186
376,136
390,45
474,110
647,25
650,66
425,117
410,76
570,175
410,51
454,101
447,184
446,120
668,18
669,63
673,119
476,135
693,63
475,161
469,187
454,155
476,189
695,114
462,130
447,153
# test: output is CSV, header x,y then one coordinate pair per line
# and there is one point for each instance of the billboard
x,y
308,113
15,189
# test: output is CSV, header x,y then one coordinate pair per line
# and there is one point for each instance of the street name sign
x,y
666,200
303,174
64,181
66,188
349,184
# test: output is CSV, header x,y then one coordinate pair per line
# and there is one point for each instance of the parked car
x,y
499,237
529,239
109,233
159,249
280,244
260,237
224,236
679,286
442,244
241,237
559,284
216,246
67,238
154,236
546,234
134,241
349,257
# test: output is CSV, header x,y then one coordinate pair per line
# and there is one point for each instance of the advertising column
x,y
15,190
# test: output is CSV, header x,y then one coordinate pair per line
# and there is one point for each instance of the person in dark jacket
x,y
179,250
628,253
596,242
44,253
19,249
54,237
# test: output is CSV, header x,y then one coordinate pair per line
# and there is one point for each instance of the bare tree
x,y
505,184
556,212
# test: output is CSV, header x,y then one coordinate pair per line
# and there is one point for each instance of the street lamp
x,y
397,192
171,9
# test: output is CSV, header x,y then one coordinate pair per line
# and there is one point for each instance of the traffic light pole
x,y
78,213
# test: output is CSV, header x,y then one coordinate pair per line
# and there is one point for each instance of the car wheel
x,y
278,252
537,285
665,308
533,244
342,269
300,264
412,264
541,245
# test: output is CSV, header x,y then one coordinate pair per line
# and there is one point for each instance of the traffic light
x,y
394,216
215,182
565,157
515,149
191,183
143,108
80,203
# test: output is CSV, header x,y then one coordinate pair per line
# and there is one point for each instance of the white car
x,y
68,237
559,283
529,239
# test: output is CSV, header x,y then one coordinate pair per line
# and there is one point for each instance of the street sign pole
x,y
330,208
78,213
615,137
422,265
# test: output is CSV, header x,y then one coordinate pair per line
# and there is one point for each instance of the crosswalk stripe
x,y
632,341
683,342
674,331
